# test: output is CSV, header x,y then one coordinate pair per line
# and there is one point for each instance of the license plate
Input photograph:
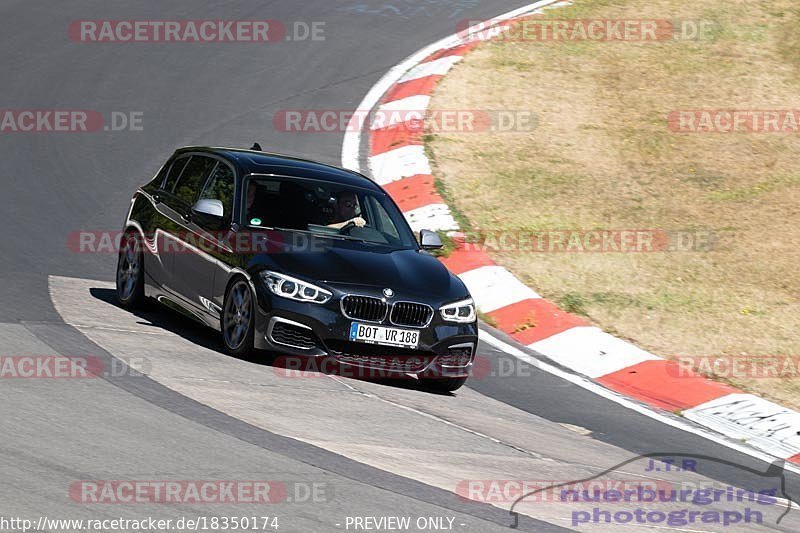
x,y
370,334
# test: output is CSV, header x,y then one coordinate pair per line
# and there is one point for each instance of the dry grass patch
x,y
602,156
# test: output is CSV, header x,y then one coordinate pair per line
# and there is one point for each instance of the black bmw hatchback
x,y
300,258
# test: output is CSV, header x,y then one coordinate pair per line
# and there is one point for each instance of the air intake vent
x,y
291,335
457,356
364,308
411,314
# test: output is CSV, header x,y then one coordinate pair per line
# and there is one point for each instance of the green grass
x,y
460,218
573,302
448,245
486,318
576,303
746,193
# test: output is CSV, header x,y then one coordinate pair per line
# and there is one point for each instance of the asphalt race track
x,y
193,413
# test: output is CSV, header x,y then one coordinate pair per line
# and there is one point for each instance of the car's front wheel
x,y
442,384
238,319
130,271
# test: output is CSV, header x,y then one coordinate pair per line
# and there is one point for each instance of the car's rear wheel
x,y
238,319
130,271
442,384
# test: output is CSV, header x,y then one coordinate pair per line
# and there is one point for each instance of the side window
x,y
174,172
220,187
194,176
158,180
384,222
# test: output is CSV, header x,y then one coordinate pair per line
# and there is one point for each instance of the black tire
x,y
238,319
442,384
130,271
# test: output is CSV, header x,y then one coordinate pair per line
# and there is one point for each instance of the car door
x,y
163,224
183,234
212,238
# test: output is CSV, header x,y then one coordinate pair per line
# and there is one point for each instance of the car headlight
x,y
294,289
463,311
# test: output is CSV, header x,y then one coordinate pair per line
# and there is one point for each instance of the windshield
x,y
325,208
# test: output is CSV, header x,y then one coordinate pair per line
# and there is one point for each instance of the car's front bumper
x,y
445,349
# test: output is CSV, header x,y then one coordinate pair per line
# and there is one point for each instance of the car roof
x,y
258,162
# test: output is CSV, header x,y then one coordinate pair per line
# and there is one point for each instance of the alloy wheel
x,y
236,318
128,268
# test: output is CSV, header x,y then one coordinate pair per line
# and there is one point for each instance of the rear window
x,y
193,178
174,172
220,187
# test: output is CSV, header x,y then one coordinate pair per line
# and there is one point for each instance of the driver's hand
x,y
359,222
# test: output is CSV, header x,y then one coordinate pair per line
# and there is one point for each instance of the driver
x,y
252,212
347,211
251,197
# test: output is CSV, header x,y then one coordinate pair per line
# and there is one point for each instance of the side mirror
x,y
211,208
429,240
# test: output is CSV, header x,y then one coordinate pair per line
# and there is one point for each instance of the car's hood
x,y
347,264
